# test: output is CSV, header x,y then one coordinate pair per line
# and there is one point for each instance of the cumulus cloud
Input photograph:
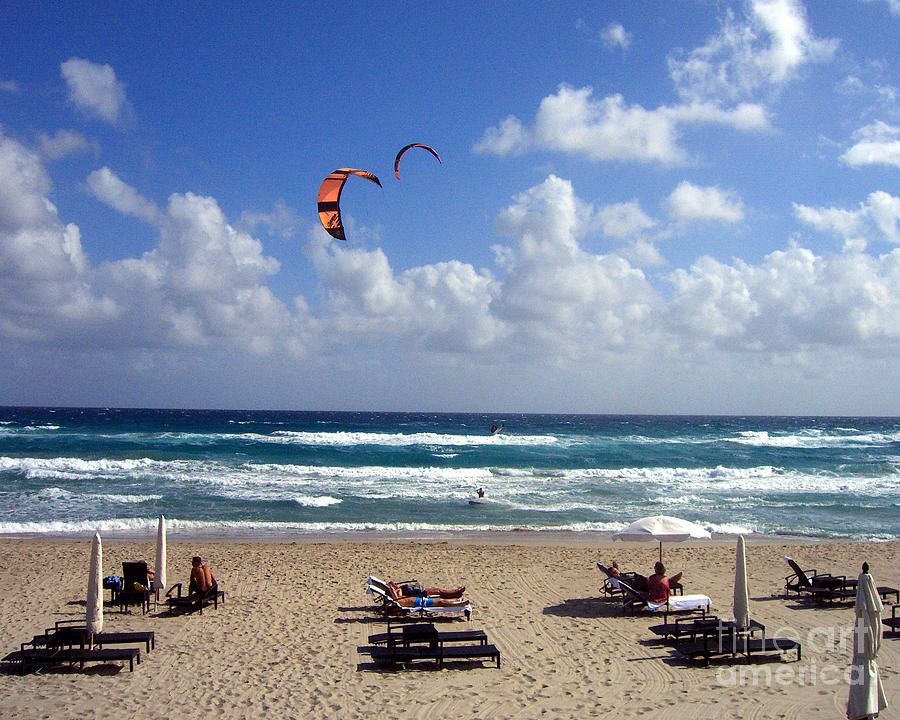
x,y
107,187
689,203
878,218
624,220
203,287
63,143
876,144
556,295
573,122
615,36
282,221
94,89
793,299
759,51
509,138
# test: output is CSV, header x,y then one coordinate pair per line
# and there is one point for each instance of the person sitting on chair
x,y
202,578
658,584
398,592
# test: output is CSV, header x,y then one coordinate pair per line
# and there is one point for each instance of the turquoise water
x,y
71,471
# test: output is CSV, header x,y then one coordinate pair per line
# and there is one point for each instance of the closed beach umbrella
x,y
662,528
159,577
867,697
94,606
741,591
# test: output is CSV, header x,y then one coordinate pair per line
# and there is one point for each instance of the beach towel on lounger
x,y
683,602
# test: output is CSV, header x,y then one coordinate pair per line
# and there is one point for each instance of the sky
x,y
685,207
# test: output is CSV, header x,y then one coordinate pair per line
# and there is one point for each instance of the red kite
x,y
330,196
403,150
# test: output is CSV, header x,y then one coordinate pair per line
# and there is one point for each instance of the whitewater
x,y
70,471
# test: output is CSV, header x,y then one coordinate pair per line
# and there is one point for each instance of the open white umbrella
x,y
662,528
867,697
159,576
741,604
94,605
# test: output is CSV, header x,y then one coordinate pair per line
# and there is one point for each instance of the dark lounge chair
x,y
134,577
193,602
824,587
410,634
43,657
723,639
66,635
893,622
425,642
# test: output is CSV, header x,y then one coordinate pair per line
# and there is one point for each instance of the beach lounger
x,y
679,626
893,622
820,588
134,577
182,604
637,581
402,655
64,635
389,606
43,657
411,634
407,643
634,601
724,639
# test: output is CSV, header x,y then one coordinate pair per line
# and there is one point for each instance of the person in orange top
x,y
202,578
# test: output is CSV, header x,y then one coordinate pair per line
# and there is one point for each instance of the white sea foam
x,y
143,526
403,439
316,500
812,439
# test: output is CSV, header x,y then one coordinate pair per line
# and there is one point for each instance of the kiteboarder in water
x,y
496,428
480,492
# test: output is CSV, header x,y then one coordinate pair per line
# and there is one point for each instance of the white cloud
x,y
615,36
107,187
571,121
202,289
509,138
624,220
556,297
689,203
792,300
876,144
443,307
281,220
94,89
762,50
63,143
876,219
9,86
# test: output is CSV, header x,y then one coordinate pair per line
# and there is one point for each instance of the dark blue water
x,y
71,471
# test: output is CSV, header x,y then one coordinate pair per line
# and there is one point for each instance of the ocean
x,y
70,471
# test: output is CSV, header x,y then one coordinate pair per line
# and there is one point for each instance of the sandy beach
x,y
284,643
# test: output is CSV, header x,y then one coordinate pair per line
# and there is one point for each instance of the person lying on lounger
x,y
658,584
427,602
399,592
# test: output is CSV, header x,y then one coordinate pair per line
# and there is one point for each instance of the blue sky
x,y
670,207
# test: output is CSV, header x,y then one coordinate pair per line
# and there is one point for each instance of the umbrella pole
x,y
660,550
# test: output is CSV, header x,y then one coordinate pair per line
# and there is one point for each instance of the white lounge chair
x,y
389,605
